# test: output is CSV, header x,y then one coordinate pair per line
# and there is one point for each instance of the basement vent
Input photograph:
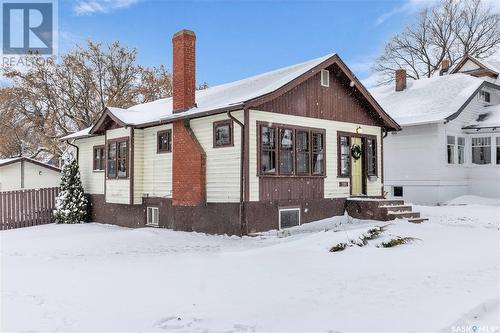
x,y
325,78
289,217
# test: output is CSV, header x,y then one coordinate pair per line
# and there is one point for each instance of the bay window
x,y
481,150
117,158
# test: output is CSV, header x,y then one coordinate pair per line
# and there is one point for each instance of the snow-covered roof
x,y
427,100
11,160
489,117
217,97
80,134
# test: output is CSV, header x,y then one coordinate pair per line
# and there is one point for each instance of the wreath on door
x,y
356,152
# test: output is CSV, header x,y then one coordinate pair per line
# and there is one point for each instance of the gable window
x,y
164,141
461,150
481,150
152,217
325,78
117,158
98,160
485,96
371,152
344,156
288,151
498,149
223,133
450,148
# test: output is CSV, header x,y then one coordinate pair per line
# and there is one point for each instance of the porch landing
x,y
381,209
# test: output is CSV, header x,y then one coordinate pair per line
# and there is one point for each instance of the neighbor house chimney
x,y
445,66
184,84
400,79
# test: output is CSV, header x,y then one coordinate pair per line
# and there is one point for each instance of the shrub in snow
x,y
71,203
397,241
338,247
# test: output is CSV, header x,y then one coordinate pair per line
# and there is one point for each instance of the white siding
x,y
332,188
118,190
10,177
93,181
138,165
36,176
223,164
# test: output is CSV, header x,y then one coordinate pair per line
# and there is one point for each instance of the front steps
x,y
381,209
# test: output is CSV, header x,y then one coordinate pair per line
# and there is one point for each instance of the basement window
x,y
289,217
397,191
325,78
153,217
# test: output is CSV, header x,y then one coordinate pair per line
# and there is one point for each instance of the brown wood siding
x,y
291,188
338,102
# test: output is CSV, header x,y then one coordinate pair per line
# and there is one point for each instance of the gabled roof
x,y
486,67
232,96
429,100
7,161
489,117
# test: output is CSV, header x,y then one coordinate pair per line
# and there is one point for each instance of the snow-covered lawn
x,y
96,277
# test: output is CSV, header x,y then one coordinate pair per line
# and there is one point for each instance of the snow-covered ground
x,y
96,277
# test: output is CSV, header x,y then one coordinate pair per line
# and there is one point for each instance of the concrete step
x,y
397,208
404,215
391,202
419,220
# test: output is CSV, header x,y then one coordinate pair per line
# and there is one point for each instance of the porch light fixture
x,y
359,130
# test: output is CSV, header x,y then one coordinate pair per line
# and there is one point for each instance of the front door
x,y
356,167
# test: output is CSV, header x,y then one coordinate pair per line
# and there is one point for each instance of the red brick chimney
x,y
445,66
400,79
184,84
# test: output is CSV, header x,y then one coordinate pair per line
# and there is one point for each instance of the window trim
x,y
127,157
287,209
231,134
169,148
104,158
277,127
325,72
157,215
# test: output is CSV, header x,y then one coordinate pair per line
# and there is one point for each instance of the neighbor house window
x,y
461,150
164,141
450,148
152,216
485,96
371,152
289,217
296,151
481,150
498,149
223,133
99,161
344,156
118,158
397,191
325,78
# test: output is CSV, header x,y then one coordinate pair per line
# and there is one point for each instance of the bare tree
x,y
449,30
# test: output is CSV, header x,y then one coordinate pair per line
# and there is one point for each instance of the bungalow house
x,y
266,152
23,173
449,144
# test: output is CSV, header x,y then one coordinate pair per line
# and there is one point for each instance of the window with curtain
x,y
481,150
318,158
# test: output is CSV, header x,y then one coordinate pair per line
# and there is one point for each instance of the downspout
x,y
385,133
242,165
77,150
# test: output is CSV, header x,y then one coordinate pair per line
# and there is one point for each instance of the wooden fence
x,y
26,208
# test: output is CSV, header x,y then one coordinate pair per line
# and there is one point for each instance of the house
x,y
266,152
25,173
449,144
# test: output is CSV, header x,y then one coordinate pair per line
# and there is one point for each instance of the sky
x,y
237,39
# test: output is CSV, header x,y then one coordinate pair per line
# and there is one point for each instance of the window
x,y
371,152
303,152
295,151
345,163
268,150
485,96
481,150
286,151
223,133
397,191
461,150
450,148
152,216
98,161
325,78
164,139
289,217
118,158
498,149
318,161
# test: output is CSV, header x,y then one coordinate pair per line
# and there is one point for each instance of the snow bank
x,y
474,200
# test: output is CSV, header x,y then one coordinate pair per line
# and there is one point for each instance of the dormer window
x,y
325,78
485,96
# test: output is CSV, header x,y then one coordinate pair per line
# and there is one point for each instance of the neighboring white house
x,y
25,173
449,144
